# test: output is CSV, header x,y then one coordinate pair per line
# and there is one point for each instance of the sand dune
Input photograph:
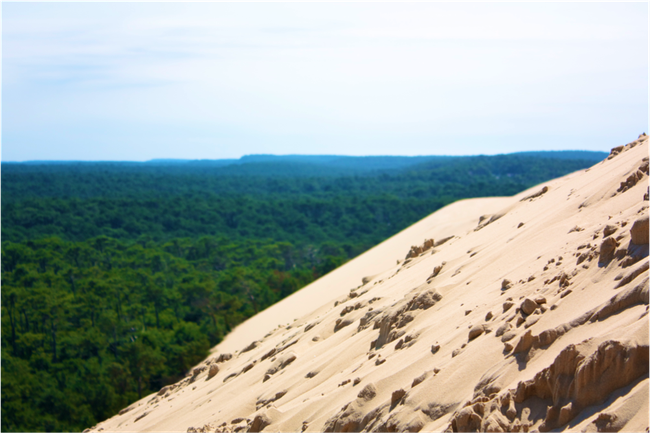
x,y
521,313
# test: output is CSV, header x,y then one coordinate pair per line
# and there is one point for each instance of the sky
x,y
137,81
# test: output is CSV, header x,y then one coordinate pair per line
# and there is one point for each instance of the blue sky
x,y
136,81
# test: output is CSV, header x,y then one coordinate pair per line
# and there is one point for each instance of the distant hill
x,y
285,165
290,175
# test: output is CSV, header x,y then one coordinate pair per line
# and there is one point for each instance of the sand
x,y
518,313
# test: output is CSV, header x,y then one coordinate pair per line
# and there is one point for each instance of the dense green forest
x,y
89,327
259,199
119,277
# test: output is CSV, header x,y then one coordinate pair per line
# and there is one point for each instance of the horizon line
x,y
163,159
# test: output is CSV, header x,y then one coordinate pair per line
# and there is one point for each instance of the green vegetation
x,y
90,326
118,277
256,200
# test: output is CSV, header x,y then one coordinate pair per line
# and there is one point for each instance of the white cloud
x,y
351,74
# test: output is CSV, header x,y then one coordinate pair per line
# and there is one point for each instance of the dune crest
x,y
497,314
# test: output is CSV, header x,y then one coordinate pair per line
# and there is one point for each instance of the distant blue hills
x,y
304,166
376,162
426,183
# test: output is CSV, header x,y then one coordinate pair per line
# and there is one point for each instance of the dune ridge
x,y
524,313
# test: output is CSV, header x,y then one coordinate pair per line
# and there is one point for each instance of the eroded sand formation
x,y
500,314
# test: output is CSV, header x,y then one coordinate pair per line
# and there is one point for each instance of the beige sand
x,y
534,317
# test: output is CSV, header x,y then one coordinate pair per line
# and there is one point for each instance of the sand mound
x,y
502,314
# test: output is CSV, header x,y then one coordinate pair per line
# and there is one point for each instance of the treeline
x,y
89,327
79,201
118,277
402,177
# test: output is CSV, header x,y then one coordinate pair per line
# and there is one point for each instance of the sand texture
x,y
514,314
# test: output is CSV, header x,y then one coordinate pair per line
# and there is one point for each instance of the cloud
x,y
297,74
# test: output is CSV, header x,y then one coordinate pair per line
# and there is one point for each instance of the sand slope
x,y
532,316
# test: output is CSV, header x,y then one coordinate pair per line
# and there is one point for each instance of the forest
x,y
118,277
